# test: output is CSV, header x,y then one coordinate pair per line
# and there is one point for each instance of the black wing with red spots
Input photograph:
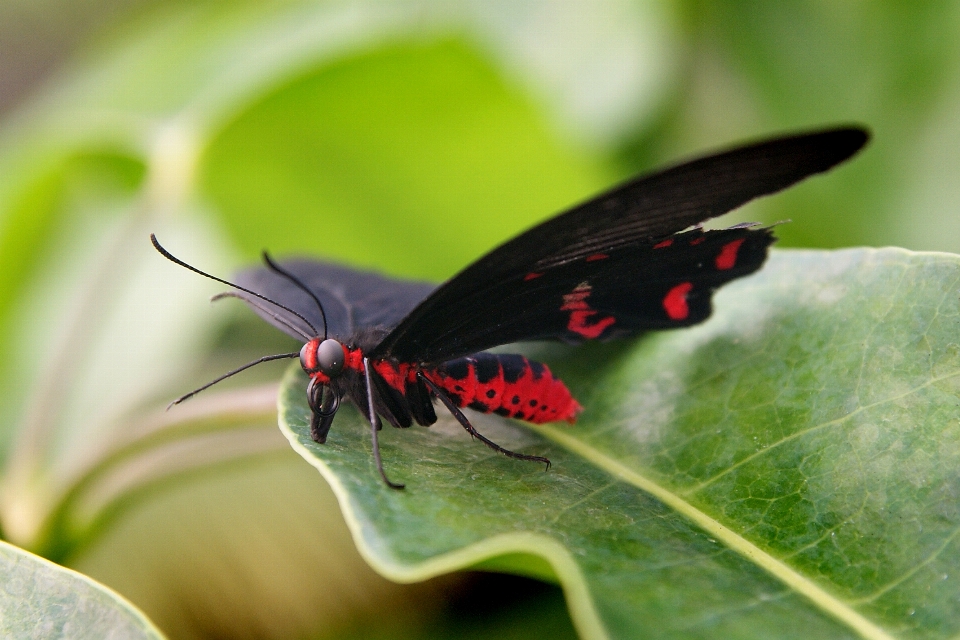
x,y
604,295
616,264
351,299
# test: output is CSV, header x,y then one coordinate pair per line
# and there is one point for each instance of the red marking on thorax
x,y
697,241
580,313
675,302
597,256
663,244
531,276
727,258
353,359
531,397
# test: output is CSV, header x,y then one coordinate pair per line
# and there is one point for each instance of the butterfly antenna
x,y
172,258
273,266
279,356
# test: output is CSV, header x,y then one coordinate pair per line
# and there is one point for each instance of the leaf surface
x,y
786,469
42,600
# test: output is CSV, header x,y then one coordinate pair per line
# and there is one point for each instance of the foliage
x,y
411,137
821,502
42,600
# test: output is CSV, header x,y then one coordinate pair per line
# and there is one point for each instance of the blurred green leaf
x,y
412,136
83,191
787,469
889,65
43,600
416,158
250,543
296,125
301,126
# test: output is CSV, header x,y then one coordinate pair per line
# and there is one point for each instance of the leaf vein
x,y
830,423
817,595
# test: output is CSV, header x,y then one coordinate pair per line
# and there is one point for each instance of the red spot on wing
x,y
577,299
697,241
727,257
597,256
582,319
675,302
579,323
663,244
530,276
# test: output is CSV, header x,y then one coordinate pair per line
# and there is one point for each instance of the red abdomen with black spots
x,y
508,385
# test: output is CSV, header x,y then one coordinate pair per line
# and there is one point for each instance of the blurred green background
x,y
405,136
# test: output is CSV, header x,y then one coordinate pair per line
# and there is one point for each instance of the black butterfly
x,y
628,261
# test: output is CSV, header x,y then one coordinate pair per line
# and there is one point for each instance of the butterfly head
x,y
323,360
325,357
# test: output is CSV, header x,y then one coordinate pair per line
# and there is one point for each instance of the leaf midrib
x,y
802,585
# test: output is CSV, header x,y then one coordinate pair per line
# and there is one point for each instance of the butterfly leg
x,y
462,419
375,426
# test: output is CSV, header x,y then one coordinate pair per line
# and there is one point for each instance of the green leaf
x,y
43,600
786,469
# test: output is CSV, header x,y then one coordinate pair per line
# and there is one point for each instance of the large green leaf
x,y
787,469
41,600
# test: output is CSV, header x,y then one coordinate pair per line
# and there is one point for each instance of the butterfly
x,y
631,260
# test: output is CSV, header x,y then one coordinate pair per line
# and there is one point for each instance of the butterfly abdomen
x,y
508,385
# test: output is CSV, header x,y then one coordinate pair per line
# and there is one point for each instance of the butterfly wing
x,y
615,260
351,299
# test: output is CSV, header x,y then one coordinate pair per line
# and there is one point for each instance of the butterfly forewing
x,y
487,305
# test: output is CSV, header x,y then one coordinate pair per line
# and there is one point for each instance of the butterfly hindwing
x,y
604,295
674,286
351,299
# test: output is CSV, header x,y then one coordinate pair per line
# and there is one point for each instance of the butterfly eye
x,y
330,357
